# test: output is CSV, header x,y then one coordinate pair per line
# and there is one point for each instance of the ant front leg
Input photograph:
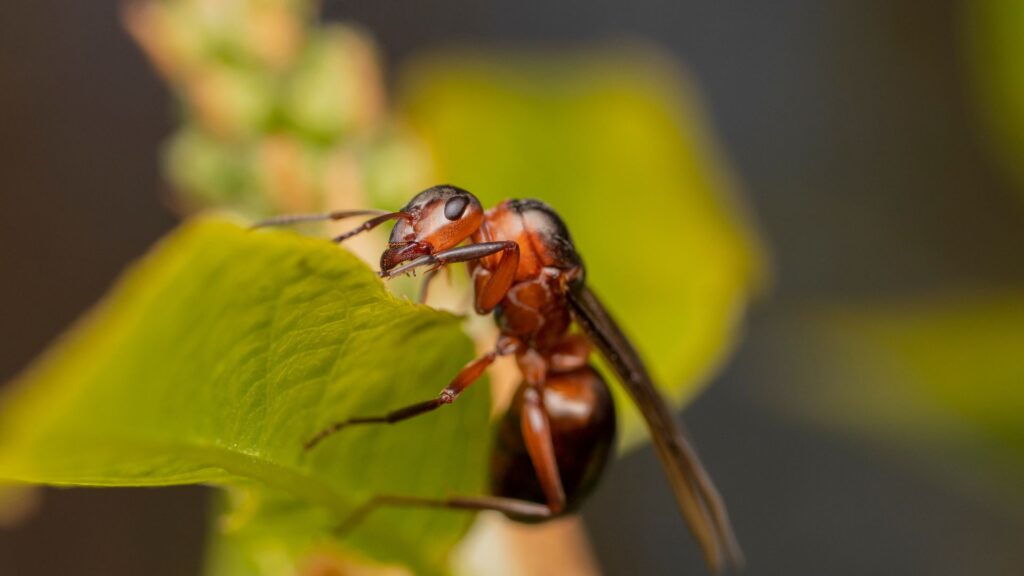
x,y
491,286
428,278
469,374
490,289
425,286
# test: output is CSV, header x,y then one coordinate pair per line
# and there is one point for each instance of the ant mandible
x,y
553,442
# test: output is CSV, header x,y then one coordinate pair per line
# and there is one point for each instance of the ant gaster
x,y
553,442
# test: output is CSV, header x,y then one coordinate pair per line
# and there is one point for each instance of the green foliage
x,y
226,175
615,142
218,355
279,112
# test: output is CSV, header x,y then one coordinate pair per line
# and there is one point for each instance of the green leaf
x,y
616,143
220,353
943,378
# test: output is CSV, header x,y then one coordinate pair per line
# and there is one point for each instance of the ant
x,y
558,433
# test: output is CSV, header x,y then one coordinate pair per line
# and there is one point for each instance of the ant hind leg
x,y
508,506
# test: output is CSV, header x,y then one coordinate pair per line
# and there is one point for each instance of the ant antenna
x,y
371,224
289,219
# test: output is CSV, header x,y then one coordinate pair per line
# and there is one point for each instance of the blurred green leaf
x,y
996,46
218,354
617,144
942,378
246,538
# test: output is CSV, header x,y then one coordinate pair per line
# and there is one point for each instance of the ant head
x,y
441,217
436,219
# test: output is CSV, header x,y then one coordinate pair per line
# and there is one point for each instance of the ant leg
x,y
289,219
509,506
469,374
459,254
389,418
491,287
536,429
425,286
537,433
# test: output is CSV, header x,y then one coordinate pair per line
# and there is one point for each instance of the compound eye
x,y
454,207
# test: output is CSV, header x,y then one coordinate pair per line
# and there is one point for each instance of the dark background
x,y
850,124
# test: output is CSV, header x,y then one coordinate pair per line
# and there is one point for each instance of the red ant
x,y
555,439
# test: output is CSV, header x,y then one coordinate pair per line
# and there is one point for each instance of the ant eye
x,y
454,207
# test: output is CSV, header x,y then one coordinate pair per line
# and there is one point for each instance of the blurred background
x,y
868,418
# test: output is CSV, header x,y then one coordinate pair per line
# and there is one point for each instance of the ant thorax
x,y
543,239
